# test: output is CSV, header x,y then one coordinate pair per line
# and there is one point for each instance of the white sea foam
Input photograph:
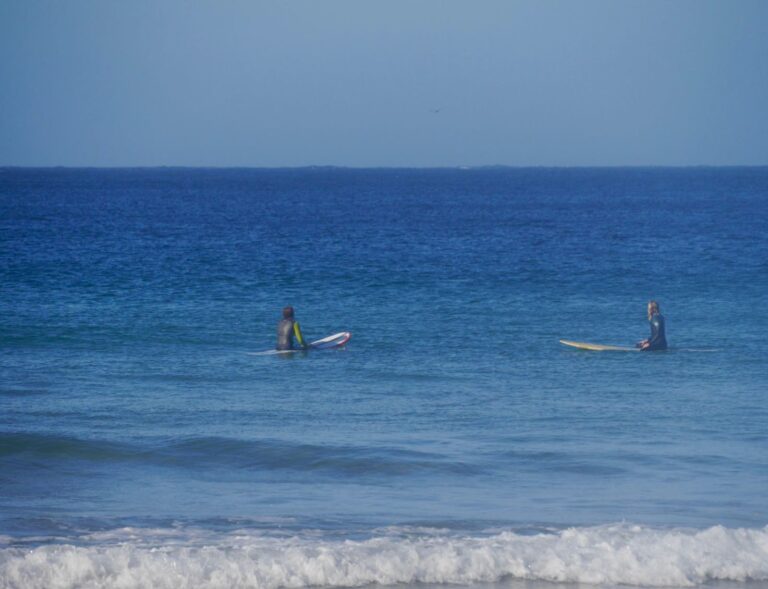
x,y
616,554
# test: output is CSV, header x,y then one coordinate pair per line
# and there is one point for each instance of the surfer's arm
x,y
644,344
299,336
657,340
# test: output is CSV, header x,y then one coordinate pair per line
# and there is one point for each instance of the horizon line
x,y
352,167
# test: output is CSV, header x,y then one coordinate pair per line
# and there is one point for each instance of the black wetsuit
x,y
658,339
286,330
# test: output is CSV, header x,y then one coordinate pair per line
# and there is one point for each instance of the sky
x,y
383,83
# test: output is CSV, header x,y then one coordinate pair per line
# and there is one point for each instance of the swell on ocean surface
x,y
182,557
222,453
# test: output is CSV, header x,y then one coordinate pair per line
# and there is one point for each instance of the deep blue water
x,y
131,414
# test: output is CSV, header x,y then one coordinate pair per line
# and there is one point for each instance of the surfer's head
x,y
653,308
287,312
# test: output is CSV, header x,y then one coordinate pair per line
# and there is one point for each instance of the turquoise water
x,y
453,440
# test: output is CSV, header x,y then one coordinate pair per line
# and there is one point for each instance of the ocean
x,y
453,441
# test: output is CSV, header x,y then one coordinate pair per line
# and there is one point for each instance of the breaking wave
x,y
612,554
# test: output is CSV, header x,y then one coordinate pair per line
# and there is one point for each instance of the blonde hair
x,y
653,307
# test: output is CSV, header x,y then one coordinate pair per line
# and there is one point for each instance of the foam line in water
x,y
615,554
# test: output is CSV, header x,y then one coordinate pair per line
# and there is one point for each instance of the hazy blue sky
x,y
387,83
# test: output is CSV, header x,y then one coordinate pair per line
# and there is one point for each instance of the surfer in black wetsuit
x,y
658,339
287,330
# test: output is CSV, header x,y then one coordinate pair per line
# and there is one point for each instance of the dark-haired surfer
x,y
287,330
658,339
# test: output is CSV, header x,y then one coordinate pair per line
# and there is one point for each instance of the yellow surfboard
x,y
597,347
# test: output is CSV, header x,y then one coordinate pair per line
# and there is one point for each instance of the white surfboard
x,y
336,340
597,347
332,341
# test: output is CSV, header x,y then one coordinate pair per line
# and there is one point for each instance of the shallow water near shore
x,y
453,440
